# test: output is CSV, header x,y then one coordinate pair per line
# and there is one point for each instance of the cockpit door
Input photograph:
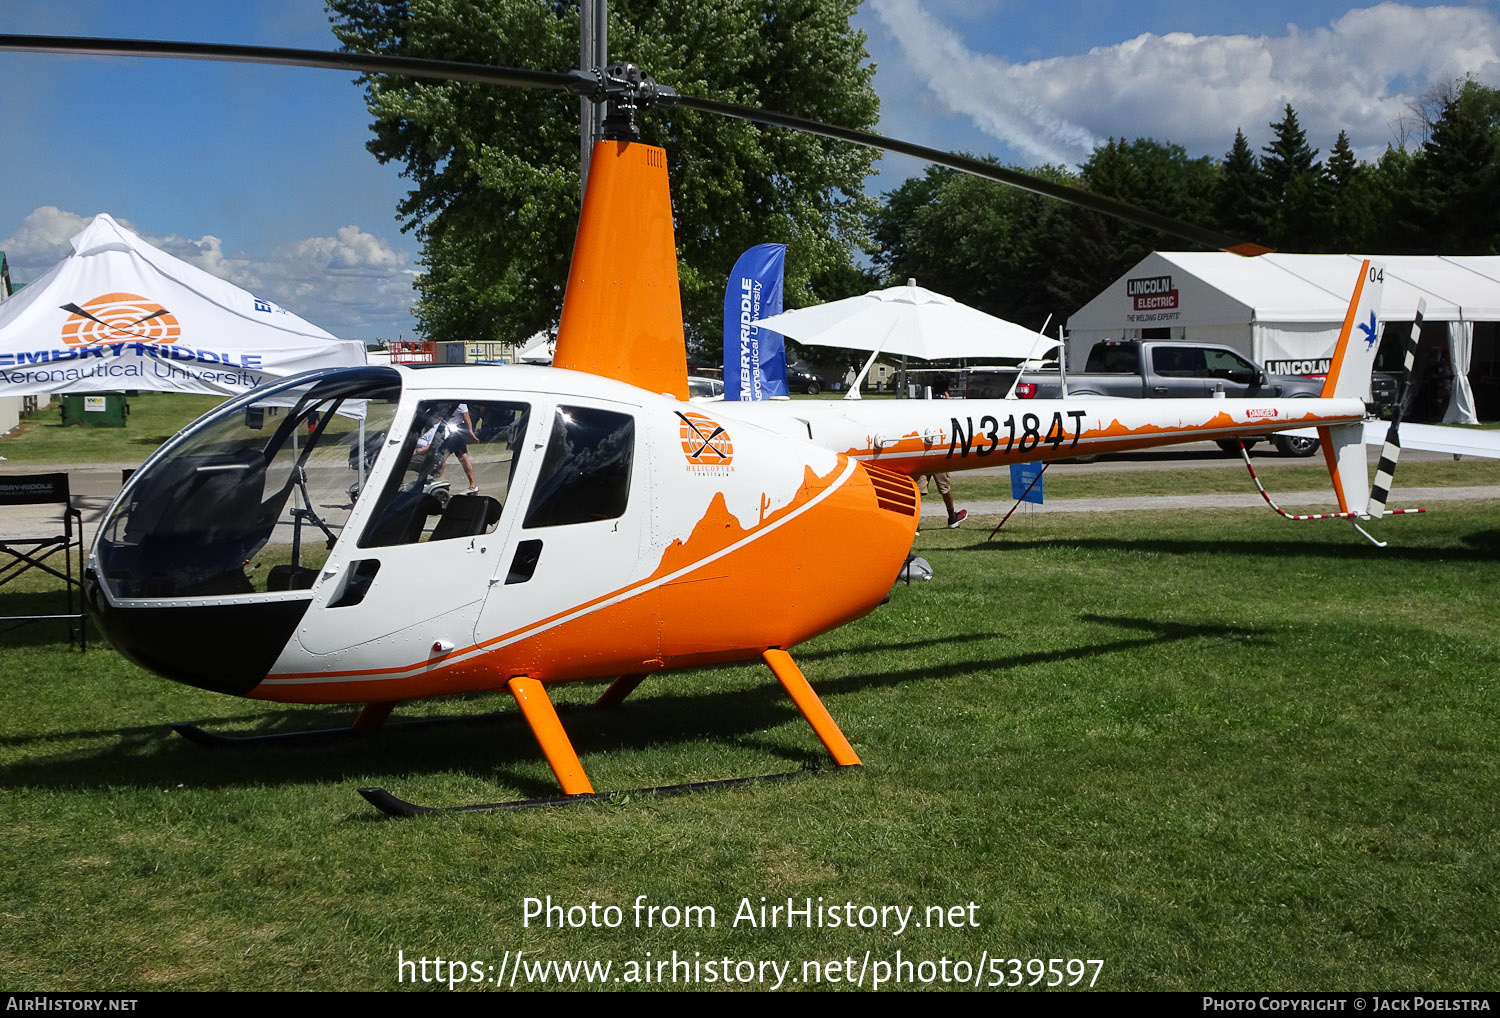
x,y
409,586
575,555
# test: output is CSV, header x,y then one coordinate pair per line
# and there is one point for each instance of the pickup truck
x,y
1149,369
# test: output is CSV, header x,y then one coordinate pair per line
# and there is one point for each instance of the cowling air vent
x,y
894,492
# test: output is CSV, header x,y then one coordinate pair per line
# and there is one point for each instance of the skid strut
x,y
795,683
542,718
531,696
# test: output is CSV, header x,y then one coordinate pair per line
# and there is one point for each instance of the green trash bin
x,y
95,410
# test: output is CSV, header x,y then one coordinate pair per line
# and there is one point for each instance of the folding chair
x,y
20,554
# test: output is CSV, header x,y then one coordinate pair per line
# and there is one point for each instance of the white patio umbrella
x,y
910,321
537,349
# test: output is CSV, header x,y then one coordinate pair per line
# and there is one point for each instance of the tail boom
x,y
941,436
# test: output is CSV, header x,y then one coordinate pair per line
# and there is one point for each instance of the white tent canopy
x,y
1285,310
118,313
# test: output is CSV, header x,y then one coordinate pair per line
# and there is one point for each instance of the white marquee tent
x,y
118,314
1285,310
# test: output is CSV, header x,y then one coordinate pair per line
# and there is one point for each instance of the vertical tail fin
x,y
1354,356
1349,375
1344,452
622,313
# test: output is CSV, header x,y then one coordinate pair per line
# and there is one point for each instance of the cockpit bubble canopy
x,y
251,498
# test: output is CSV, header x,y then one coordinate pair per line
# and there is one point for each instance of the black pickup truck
x,y
1150,369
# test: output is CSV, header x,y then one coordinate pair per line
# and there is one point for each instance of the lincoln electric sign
x,y
1150,297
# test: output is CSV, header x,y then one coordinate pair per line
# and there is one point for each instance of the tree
x,y
1452,205
1091,250
1347,218
973,239
1387,182
1341,163
1241,206
494,171
1021,256
1292,176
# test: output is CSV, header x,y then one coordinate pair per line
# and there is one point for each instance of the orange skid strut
x,y
531,697
795,683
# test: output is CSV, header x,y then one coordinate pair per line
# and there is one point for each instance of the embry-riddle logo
x,y
119,318
705,443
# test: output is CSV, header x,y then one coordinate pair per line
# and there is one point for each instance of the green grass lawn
x,y
154,418
1215,752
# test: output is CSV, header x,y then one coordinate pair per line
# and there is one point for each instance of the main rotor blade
x,y
1038,185
591,85
364,63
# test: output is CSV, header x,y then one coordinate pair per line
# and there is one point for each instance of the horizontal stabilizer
x,y
1459,441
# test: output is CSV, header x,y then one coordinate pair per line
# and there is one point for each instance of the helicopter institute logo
x,y
705,443
119,318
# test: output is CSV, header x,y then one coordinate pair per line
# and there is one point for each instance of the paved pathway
x,y
1406,498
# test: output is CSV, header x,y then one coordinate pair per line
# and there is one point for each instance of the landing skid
x,y
373,716
397,807
317,737
213,740
541,716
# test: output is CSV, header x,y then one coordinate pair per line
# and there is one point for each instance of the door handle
x,y
523,565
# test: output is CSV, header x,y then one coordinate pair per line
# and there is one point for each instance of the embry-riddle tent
x,y
120,314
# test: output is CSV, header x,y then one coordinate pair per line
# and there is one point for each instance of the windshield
x,y
250,499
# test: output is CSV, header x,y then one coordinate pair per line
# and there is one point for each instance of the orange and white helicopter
x,y
610,528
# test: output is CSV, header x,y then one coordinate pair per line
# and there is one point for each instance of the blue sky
x,y
260,174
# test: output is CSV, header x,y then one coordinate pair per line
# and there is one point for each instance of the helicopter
x,y
612,530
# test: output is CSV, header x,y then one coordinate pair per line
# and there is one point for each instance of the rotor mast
x,y
593,54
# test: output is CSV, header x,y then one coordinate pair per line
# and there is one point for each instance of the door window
x,y
585,473
453,474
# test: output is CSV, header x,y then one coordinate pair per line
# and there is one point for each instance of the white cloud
x,y
354,284
352,251
1357,74
42,239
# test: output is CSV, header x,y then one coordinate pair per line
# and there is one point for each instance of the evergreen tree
x,y
1346,220
1452,203
1288,156
1339,170
1292,177
1241,208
